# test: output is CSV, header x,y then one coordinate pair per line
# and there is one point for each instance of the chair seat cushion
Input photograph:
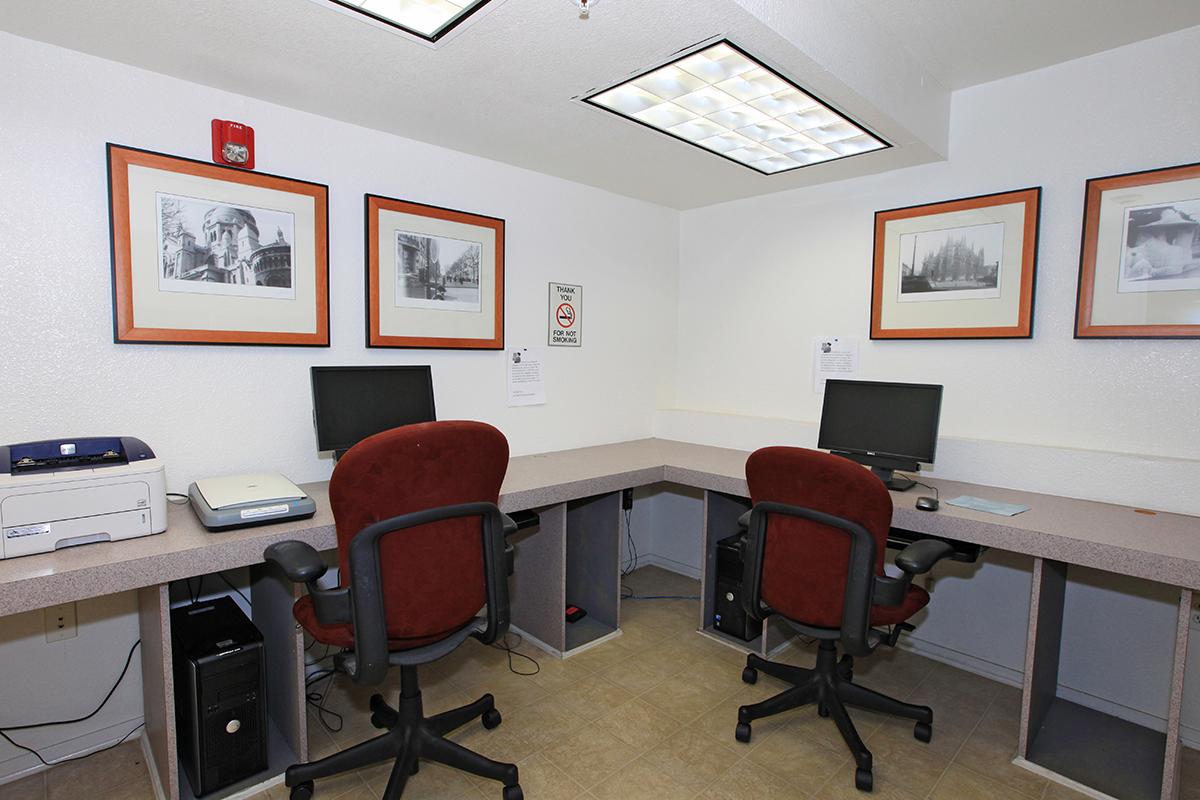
x,y
342,635
914,600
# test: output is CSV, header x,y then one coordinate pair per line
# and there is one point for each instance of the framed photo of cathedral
x,y
435,277
959,269
208,254
1139,266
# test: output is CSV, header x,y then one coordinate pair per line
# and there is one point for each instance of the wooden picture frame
x,y
435,276
1139,257
970,270
189,263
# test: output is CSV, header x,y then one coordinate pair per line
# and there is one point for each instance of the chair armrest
x,y
299,561
920,556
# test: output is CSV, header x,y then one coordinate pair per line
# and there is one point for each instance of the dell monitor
x,y
352,403
886,426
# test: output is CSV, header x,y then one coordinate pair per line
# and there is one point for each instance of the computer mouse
x,y
927,503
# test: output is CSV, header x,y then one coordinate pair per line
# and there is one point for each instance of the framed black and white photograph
x,y
207,254
437,272
960,269
435,276
1139,270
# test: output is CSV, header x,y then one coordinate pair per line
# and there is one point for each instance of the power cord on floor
x,y
511,649
318,698
5,730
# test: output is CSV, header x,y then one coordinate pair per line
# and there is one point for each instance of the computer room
x,y
595,399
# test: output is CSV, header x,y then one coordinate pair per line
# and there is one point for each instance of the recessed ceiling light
x,y
721,99
428,19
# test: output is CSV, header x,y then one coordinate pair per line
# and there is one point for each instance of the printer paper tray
x,y
24,540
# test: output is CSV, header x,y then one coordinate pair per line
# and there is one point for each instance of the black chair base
x,y
829,685
410,737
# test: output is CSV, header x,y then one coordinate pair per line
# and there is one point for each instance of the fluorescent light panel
x,y
429,19
721,99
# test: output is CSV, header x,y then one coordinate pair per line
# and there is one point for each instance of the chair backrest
x,y
433,575
805,563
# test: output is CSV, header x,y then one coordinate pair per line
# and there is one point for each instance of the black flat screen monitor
x,y
887,426
352,403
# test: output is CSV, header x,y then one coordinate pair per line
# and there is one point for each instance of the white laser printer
x,y
65,492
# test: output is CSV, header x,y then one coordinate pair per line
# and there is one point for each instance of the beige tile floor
x,y
651,715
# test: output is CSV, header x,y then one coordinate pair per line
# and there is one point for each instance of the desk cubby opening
x,y
593,569
1103,752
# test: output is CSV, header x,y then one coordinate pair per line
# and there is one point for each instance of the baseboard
x,y
670,565
26,764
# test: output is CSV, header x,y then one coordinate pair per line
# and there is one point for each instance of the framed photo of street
x,y
207,254
435,277
960,269
1139,263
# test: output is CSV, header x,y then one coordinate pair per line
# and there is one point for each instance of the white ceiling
x,y
503,87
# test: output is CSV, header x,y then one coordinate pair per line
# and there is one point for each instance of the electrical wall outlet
x,y
60,622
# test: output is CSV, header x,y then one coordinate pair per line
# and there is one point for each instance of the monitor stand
x,y
891,480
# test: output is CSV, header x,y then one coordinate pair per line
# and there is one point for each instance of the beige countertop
x,y
1160,547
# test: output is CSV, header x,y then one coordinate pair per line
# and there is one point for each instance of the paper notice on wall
x,y
833,357
526,378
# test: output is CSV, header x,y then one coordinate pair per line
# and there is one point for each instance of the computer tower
x,y
728,615
220,702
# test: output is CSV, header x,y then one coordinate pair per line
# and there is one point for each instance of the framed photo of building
x,y
960,269
435,277
207,254
1139,265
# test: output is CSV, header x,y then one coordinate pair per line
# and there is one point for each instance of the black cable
x,y
182,502
317,699
933,489
84,718
46,763
231,586
510,649
631,561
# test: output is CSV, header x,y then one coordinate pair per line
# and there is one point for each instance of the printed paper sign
x,y
833,357
566,315
526,381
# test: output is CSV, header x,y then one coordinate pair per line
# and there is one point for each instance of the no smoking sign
x,y
566,315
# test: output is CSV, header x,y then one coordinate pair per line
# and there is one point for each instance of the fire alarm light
x,y
233,144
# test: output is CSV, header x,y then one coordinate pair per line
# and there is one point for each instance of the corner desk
x,y
576,548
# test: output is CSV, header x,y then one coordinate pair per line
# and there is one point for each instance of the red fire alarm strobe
x,y
233,144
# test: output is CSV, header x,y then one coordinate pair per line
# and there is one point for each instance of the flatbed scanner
x,y
64,492
239,501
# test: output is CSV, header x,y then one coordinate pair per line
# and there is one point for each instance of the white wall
x,y
1111,420
220,410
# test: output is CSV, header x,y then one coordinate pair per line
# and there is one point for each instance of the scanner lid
x,y
236,490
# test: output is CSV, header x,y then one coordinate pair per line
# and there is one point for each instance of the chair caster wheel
x,y
742,733
863,781
750,675
378,722
302,791
822,710
492,719
513,793
923,732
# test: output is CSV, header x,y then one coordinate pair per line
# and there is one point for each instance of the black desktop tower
x,y
220,702
728,615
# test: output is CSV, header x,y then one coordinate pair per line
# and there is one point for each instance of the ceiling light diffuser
x,y
721,99
428,19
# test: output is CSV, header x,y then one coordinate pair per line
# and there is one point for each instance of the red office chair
x,y
421,545
814,555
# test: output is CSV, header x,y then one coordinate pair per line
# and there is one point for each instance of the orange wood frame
x,y
125,331
1023,329
375,204
1096,187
